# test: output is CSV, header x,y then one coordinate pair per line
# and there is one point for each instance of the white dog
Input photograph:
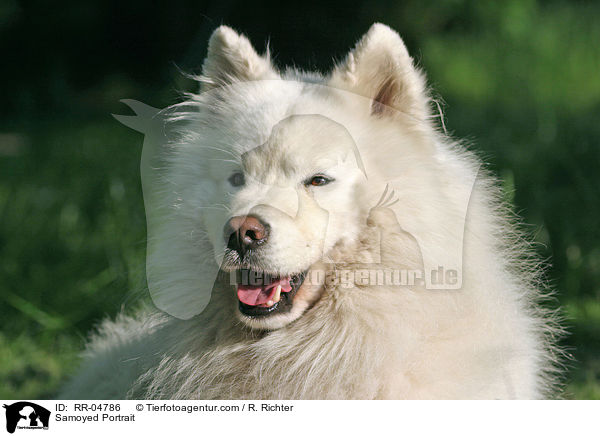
x,y
349,249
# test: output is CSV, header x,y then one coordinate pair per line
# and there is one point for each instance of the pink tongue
x,y
254,296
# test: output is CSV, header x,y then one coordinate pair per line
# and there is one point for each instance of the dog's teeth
x,y
277,295
270,303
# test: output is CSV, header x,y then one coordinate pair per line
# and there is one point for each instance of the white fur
x,y
488,339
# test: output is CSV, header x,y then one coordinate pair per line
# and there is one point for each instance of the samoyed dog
x,y
318,237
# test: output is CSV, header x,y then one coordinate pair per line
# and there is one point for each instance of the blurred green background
x,y
519,78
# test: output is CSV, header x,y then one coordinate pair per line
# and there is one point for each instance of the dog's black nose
x,y
244,233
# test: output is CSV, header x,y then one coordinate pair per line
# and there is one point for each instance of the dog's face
x,y
289,201
272,177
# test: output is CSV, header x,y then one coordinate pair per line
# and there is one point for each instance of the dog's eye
x,y
318,180
236,179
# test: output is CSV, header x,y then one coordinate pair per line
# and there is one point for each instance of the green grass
x,y
32,367
72,242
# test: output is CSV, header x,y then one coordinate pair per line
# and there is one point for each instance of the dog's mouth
x,y
261,294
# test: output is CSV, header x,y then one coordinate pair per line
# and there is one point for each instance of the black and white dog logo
x,y
26,415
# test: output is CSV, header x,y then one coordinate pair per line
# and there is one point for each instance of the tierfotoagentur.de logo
x,y
25,415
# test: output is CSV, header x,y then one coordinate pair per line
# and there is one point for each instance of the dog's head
x,y
290,199
273,171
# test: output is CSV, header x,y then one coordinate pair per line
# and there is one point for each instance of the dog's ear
x,y
381,69
231,58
